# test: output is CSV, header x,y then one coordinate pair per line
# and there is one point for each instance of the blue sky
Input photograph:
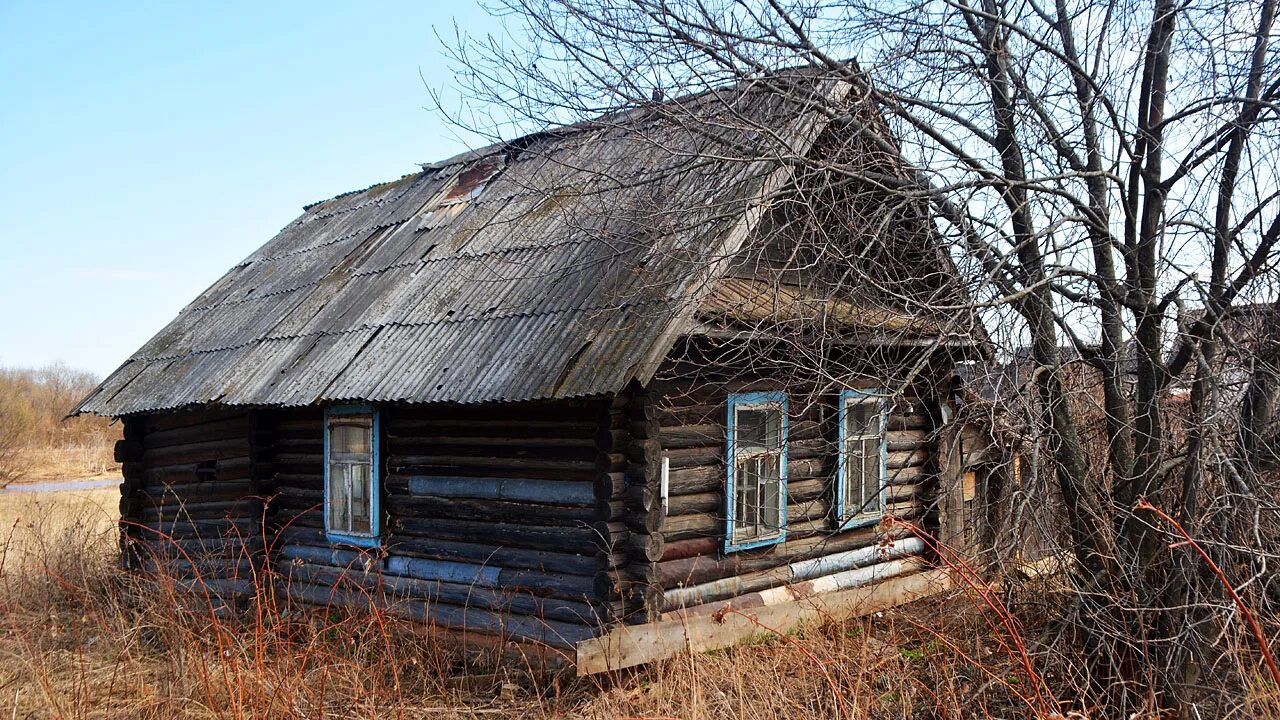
x,y
146,148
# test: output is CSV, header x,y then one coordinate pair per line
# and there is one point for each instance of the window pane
x,y
347,437
757,471
871,476
758,428
771,506
747,489
350,462
339,508
864,438
758,501
862,417
853,481
361,506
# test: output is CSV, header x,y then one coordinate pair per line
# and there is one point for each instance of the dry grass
x,y
80,639
37,441
81,461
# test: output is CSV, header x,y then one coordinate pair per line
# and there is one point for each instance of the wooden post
x,y
954,523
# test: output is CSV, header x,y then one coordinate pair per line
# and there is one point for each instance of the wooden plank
x,y
632,645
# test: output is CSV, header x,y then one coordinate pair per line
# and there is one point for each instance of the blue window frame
x,y
756,488
862,471
352,465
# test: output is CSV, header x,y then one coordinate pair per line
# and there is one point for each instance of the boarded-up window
x,y
757,492
861,476
351,482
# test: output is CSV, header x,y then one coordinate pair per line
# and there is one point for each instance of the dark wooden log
x,y
576,469
908,475
693,414
895,446
552,538
642,498
646,522
134,428
642,451
548,632
643,429
897,460
313,444
303,463
506,427
209,528
128,450
231,468
197,452
461,594
685,481
225,589
305,481
146,511
645,412
178,493
614,558
210,568
157,546
503,444
695,504
642,473
818,449
513,489
690,548
692,436
809,490
230,429
649,548
508,557
684,527
610,510
610,462
500,511
695,457
609,486
916,421
492,455
610,439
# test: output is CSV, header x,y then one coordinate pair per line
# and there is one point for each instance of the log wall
x,y
535,521
691,412
490,519
190,504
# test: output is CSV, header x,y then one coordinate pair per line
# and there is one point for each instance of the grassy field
x,y
81,639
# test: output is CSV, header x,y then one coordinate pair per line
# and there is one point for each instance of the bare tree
x,y
1104,175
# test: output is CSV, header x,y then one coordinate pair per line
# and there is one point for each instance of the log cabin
x,y
619,389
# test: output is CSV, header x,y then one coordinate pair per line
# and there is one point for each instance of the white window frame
x,y
345,535
754,401
847,515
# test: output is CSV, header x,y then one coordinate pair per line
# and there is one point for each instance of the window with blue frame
x,y
862,476
351,474
757,483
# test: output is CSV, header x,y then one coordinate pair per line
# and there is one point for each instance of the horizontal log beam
x,y
514,489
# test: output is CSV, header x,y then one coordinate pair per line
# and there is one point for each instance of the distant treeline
x,y
33,405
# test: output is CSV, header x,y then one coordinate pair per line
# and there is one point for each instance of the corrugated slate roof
x,y
560,265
